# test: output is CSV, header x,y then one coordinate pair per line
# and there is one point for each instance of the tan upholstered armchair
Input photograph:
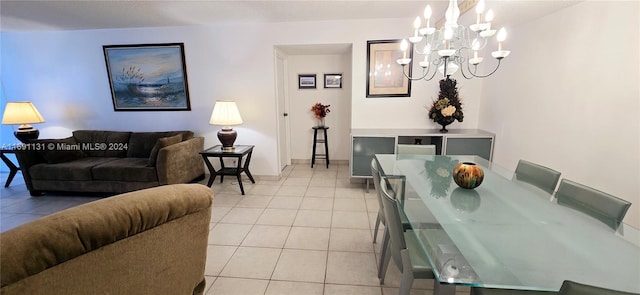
x,y
151,241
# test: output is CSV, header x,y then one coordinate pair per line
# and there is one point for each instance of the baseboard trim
x,y
308,161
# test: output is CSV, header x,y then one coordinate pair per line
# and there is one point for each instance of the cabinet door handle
x,y
286,114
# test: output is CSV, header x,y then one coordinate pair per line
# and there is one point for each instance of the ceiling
x,y
29,15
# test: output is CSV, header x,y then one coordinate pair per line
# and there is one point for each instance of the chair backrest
x,y
602,206
416,149
573,288
375,172
394,224
537,175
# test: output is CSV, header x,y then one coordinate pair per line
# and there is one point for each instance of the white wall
x,y
64,74
301,118
568,98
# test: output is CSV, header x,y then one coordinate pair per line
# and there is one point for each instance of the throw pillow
x,y
60,150
161,143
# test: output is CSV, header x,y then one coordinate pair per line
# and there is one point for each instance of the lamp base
x,y
26,133
227,137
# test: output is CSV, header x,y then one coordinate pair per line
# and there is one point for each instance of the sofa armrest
x,y
181,162
151,241
26,158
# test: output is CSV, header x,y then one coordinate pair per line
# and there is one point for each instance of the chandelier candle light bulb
x,y
479,10
427,15
489,18
475,60
416,25
404,45
427,30
502,35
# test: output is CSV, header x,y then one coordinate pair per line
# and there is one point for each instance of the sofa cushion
x,y
125,169
187,134
141,143
60,150
79,169
98,143
162,143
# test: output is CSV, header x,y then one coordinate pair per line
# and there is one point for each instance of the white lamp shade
x,y
225,113
22,112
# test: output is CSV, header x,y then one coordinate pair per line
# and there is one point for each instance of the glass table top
x,y
505,234
237,150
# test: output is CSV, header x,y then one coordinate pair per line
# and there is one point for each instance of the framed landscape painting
x,y
147,77
384,75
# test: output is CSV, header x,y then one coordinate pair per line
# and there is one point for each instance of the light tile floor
x,y
309,233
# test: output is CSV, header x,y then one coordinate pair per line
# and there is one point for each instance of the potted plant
x,y
448,107
320,111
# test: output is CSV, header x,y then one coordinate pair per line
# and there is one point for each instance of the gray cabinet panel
x,y
364,148
470,146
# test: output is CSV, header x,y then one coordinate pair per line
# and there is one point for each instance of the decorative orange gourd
x,y
468,175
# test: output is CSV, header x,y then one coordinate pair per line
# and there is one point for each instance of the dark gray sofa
x,y
111,161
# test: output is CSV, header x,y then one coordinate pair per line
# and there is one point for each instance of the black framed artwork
x,y
147,77
385,77
332,80
307,81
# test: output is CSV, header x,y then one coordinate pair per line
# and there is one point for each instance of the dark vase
x,y
444,122
468,175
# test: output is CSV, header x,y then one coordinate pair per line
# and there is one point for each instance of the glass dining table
x,y
506,234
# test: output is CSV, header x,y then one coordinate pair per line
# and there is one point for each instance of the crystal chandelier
x,y
453,47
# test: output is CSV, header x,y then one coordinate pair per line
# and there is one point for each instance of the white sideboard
x,y
365,143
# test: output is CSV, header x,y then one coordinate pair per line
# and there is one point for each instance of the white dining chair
x,y
415,149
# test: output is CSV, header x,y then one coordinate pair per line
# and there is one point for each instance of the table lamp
x,y
226,113
22,113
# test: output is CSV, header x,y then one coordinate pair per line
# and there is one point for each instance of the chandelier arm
x,y
416,50
433,75
485,41
482,76
411,78
463,74
435,63
461,60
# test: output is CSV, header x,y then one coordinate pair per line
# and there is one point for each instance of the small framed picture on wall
x,y
332,80
307,81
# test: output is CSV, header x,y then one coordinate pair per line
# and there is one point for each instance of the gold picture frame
x,y
385,77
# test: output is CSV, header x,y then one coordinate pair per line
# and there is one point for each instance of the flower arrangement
x,y
447,108
320,110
